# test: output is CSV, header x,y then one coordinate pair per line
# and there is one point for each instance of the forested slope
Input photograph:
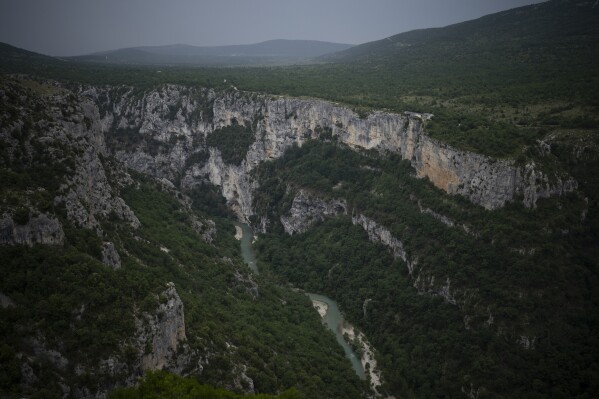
x,y
450,295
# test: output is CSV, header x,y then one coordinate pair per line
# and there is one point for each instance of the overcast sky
x,y
74,27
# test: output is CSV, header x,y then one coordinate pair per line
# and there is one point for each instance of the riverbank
x,y
367,359
333,320
321,307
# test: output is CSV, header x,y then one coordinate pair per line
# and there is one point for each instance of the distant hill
x,y
269,52
555,25
13,55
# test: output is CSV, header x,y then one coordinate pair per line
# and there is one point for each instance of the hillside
x,y
522,33
265,53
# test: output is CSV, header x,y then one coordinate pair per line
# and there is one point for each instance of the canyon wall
x,y
178,119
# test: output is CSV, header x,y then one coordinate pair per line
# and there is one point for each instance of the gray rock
x,y
88,195
110,256
527,342
165,116
307,210
161,334
40,229
378,233
28,375
6,302
246,281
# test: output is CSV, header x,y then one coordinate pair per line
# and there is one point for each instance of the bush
x,y
21,216
232,141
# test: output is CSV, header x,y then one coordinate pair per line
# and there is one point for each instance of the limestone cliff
x,y
161,334
159,131
54,138
307,210
40,229
484,180
378,233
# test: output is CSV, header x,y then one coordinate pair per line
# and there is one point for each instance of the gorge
x,y
173,116
412,217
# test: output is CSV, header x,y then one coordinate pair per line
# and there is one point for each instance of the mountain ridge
x,y
270,51
516,26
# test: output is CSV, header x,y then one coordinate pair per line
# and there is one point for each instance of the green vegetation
x,y
86,310
429,347
163,385
222,311
27,161
232,141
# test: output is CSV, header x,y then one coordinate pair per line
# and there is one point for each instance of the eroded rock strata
x,y
167,126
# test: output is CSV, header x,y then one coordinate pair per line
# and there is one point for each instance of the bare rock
x,y
307,210
161,334
110,256
40,229
6,302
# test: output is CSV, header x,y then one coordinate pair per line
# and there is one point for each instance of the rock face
x,y
53,133
162,333
378,233
307,210
442,218
110,256
89,195
40,229
423,282
484,180
163,128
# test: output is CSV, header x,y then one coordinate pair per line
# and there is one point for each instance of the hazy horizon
x,y
73,27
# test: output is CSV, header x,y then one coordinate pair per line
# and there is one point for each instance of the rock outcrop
x,y
87,193
40,229
162,333
307,210
423,282
89,196
380,234
110,256
159,132
51,132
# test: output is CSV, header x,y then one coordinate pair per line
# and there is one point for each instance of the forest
x,y
429,346
160,385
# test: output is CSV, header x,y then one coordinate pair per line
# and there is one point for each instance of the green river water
x,y
333,319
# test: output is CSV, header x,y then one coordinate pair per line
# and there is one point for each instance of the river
x,y
247,252
332,317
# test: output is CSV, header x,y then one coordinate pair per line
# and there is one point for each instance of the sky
x,y
76,27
